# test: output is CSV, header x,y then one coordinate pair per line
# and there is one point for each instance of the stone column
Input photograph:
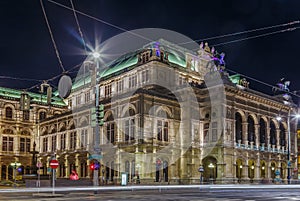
x,y
278,139
257,137
245,133
257,175
66,166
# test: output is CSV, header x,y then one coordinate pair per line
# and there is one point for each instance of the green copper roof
x,y
120,66
235,78
177,60
40,98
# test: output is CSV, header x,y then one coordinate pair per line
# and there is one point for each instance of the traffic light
x,y
92,166
95,165
100,114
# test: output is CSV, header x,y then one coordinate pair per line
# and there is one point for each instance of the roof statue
x,y
201,45
206,48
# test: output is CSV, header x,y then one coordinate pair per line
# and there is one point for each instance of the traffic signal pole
x,y
97,133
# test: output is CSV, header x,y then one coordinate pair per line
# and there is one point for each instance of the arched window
x,y
251,129
130,125
272,133
42,115
162,126
282,135
110,129
238,126
8,112
262,131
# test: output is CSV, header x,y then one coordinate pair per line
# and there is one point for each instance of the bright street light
x,y
96,55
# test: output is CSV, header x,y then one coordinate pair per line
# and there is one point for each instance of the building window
x,y
120,86
78,99
83,138
7,144
129,130
73,140
214,131
45,144
26,115
182,80
63,141
132,81
8,112
162,130
70,103
53,143
42,116
110,132
238,128
24,145
107,90
205,132
87,97
145,76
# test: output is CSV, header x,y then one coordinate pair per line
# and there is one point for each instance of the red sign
x,y
54,164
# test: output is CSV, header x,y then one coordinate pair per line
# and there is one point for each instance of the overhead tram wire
x,y
256,36
261,82
210,38
54,77
99,20
78,26
52,37
242,32
21,79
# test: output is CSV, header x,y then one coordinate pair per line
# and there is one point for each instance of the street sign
x,y
277,172
95,156
39,165
201,169
54,163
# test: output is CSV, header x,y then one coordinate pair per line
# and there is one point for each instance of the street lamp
x,y
15,165
241,167
211,167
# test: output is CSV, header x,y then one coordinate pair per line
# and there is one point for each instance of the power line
x,y
78,26
99,20
242,32
21,79
52,37
256,36
54,77
261,82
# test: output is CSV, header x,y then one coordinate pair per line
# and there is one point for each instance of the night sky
x,y
27,50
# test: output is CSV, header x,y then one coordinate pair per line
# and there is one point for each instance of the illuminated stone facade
x,y
154,129
19,130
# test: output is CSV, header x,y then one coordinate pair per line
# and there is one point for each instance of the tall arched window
x,y
272,133
251,129
110,129
262,131
130,125
162,126
282,135
8,112
238,127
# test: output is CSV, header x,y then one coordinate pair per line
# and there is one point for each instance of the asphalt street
x,y
259,193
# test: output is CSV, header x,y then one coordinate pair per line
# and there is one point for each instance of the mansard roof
x,y
14,94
